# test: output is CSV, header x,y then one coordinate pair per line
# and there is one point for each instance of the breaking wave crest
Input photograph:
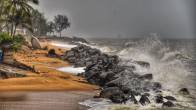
x,y
167,65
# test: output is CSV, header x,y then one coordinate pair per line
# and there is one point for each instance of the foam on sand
x,y
72,70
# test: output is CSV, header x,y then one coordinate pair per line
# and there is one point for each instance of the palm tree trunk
x,y
14,30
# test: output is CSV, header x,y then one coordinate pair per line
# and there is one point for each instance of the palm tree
x,y
51,27
20,13
3,13
39,23
61,23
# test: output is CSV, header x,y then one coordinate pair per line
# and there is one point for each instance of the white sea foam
x,y
63,45
165,65
72,70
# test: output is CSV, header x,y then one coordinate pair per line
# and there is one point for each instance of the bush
x,y
16,42
19,39
5,38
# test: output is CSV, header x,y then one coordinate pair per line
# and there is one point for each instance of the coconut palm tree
x,y
20,13
61,23
39,24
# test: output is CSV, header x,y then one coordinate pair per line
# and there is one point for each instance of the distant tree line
x,y
21,14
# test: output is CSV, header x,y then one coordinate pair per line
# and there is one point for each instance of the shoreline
x,y
44,78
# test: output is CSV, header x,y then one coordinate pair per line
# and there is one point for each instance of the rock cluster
x,y
119,82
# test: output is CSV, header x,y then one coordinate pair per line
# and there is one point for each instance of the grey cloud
x,y
129,18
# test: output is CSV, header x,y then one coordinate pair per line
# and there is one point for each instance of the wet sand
x,y
43,100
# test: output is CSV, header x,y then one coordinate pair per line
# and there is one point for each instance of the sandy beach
x,y
46,76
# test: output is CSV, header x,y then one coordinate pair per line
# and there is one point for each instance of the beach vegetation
x,y
14,43
39,24
61,22
16,13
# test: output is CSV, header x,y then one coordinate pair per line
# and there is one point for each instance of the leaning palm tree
x,y
20,13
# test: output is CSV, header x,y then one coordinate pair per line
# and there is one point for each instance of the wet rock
x,y
156,86
168,104
52,53
159,99
171,98
133,99
147,94
146,76
184,91
118,98
70,54
108,92
144,100
143,64
79,39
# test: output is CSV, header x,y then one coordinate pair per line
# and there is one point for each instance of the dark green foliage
x,y
5,38
16,41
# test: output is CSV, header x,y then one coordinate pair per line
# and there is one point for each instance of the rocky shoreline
x,y
119,82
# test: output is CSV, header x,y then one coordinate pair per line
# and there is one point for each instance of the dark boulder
x,y
147,94
184,91
118,98
171,98
159,99
144,100
133,99
168,104
52,53
108,92
156,86
79,39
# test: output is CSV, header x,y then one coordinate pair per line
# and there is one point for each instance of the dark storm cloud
x,y
127,18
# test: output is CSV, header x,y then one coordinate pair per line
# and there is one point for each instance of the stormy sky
x,y
125,18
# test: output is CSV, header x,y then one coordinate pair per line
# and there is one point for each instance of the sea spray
x,y
166,67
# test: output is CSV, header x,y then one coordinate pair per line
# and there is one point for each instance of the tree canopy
x,y
61,22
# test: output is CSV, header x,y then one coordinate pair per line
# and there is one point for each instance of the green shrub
x,y
5,38
17,41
